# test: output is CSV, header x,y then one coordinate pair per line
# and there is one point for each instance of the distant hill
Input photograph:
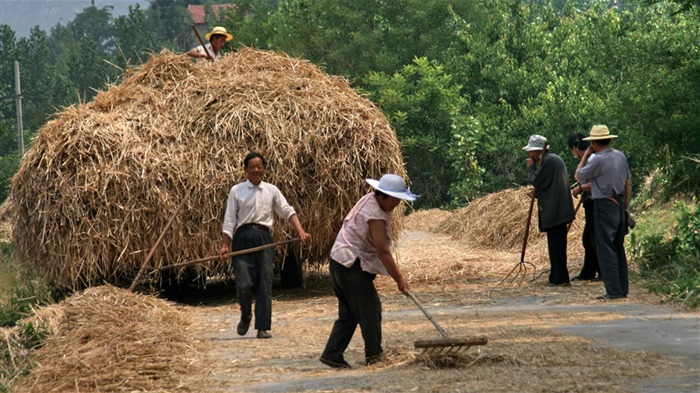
x,y
22,15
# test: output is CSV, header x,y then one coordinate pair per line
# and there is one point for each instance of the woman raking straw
x,y
362,250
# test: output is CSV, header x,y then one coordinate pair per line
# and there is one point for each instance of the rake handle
x,y
427,314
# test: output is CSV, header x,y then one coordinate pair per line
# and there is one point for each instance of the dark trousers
x,y
253,273
556,243
590,259
358,304
610,231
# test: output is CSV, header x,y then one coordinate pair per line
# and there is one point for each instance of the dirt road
x,y
541,339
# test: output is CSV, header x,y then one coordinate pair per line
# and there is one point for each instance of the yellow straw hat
x,y
218,30
599,132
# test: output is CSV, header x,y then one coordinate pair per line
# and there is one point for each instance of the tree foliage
x,y
463,83
439,139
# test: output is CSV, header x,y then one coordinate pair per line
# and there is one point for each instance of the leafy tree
x,y
168,20
439,141
8,48
38,78
133,37
657,106
351,38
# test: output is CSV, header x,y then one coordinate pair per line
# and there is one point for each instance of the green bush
x,y
25,290
670,262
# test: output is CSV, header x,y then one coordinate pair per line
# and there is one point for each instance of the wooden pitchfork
x,y
446,344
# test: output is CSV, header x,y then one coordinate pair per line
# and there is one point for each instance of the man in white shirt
x,y
247,224
217,38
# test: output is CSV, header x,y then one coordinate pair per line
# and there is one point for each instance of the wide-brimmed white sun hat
x,y
599,132
218,30
536,142
393,185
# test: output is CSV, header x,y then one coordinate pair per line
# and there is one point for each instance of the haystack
x,y
497,221
103,178
107,339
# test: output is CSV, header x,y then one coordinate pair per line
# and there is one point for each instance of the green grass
x,y
665,246
19,293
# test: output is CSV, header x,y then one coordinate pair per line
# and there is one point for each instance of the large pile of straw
x,y
107,339
498,221
102,179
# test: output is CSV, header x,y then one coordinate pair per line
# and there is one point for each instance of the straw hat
x,y
393,185
599,132
536,142
218,30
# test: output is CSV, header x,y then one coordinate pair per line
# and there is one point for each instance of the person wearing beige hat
x,y
555,206
217,38
611,188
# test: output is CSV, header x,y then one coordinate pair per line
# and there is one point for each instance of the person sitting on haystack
x,y
217,38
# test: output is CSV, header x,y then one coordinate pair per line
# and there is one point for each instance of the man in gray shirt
x,y
611,189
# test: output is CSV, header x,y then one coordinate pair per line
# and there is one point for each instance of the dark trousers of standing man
x,y
556,244
253,273
358,304
590,259
610,231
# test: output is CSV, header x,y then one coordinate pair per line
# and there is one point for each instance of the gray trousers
x,y
610,231
253,273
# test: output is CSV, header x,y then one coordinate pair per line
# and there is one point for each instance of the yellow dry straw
x,y
102,178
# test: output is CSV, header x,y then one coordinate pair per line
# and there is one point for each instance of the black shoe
x,y
243,326
599,278
582,278
561,284
374,359
264,334
335,364
610,297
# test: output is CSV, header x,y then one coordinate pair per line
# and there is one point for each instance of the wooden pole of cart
x,y
160,238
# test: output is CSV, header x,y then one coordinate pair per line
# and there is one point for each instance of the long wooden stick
x,y
439,328
580,201
202,42
227,255
160,238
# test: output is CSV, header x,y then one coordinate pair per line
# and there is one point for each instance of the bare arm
x,y
628,193
197,54
225,245
576,191
381,242
583,162
303,235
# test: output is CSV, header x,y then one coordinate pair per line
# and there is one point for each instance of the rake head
x,y
448,345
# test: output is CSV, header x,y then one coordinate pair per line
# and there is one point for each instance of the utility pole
x,y
20,130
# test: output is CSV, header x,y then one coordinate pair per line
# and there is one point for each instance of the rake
x,y
445,345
